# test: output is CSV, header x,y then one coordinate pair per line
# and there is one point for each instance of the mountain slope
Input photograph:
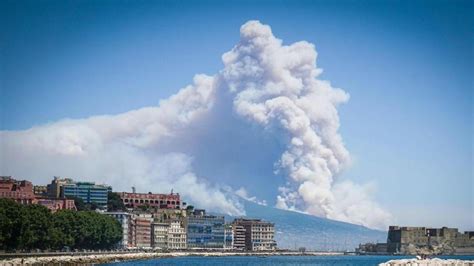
x,y
294,230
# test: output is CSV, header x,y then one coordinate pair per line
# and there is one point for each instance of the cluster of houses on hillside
x,y
148,220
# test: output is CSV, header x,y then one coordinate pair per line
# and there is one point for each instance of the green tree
x,y
145,208
64,229
80,205
114,202
92,206
35,226
10,221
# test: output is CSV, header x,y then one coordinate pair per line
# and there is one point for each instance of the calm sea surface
x,y
276,260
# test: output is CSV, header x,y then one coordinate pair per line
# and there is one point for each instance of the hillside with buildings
x,y
145,220
166,222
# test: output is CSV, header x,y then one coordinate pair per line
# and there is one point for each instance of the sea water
x,y
274,260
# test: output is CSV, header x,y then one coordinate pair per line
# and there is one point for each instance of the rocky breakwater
x,y
428,262
106,258
80,259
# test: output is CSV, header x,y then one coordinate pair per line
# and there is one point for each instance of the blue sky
x,y
406,64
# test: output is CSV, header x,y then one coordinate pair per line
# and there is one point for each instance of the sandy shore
x,y
427,262
105,258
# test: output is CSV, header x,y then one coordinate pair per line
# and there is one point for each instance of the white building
x,y
124,219
228,237
176,236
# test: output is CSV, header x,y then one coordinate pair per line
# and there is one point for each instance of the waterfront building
x,y
176,235
142,228
160,235
156,201
19,191
55,205
403,239
228,237
239,236
259,235
125,221
87,191
205,231
132,239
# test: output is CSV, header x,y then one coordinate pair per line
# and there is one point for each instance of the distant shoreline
x,y
97,258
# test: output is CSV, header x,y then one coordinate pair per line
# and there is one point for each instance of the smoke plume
x,y
266,90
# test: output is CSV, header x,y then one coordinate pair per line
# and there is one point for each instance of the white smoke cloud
x,y
278,86
122,150
242,192
265,83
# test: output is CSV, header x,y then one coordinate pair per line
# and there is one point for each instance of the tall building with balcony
x,y
239,236
205,231
259,235
142,228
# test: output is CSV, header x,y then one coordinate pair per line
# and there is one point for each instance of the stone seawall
x,y
105,258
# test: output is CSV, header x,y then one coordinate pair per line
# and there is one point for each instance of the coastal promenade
x,y
105,257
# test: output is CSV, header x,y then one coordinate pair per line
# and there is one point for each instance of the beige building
x,y
169,235
259,235
160,235
54,189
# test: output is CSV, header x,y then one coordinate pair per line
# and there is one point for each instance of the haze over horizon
x,y
264,126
